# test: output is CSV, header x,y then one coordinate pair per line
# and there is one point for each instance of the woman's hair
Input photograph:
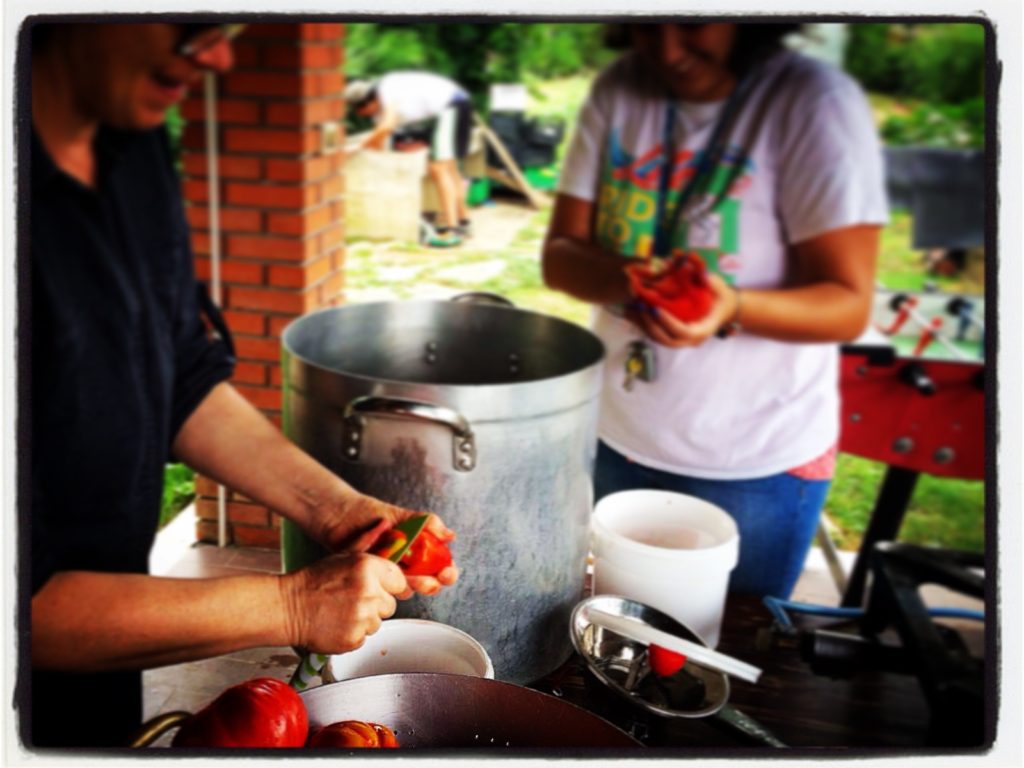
x,y
754,41
758,41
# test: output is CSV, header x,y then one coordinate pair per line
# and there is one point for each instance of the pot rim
x,y
296,324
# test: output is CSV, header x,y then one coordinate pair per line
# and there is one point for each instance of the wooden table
x,y
873,712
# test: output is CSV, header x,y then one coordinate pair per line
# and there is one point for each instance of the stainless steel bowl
x,y
451,711
621,663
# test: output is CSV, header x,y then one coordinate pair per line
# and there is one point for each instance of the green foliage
x,y
873,56
179,490
373,49
175,124
942,66
946,63
559,50
938,125
476,55
942,63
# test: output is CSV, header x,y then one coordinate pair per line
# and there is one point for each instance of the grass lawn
x,y
943,512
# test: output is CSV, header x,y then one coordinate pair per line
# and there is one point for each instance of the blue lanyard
x,y
707,160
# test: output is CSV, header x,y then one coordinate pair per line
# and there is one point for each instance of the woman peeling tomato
x,y
720,206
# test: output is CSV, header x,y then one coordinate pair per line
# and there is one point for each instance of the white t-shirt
x,y
417,96
746,406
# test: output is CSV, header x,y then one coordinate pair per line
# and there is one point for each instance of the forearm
x,y
228,440
376,138
85,621
585,271
824,312
834,275
384,127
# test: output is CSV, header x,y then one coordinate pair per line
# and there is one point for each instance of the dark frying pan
x,y
453,711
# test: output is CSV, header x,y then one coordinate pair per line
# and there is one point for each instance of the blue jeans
x,y
776,516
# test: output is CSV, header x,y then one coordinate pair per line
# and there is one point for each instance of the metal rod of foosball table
x,y
906,304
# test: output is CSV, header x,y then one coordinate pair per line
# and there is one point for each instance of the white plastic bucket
x,y
666,550
412,645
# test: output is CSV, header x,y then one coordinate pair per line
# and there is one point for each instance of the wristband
x,y
732,327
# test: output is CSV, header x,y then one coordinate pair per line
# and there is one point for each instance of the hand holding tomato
x,y
679,286
427,564
349,734
354,522
263,712
427,556
665,328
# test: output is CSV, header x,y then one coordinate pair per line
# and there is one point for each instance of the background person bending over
x,y
124,377
713,138
432,108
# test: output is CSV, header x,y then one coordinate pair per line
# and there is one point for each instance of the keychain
x,y
640,364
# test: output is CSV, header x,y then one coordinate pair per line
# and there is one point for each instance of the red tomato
x,y
681,287
353,734
663,661
427,556
263,712
385,736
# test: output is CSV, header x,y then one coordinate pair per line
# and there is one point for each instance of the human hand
x,y
661,327
361,520
377,140
333,604
426,561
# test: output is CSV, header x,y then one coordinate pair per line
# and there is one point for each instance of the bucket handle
x,y
463,440
153,729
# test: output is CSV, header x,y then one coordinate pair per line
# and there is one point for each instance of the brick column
x,y
282,245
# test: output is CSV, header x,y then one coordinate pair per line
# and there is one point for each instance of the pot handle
x,y
153,729
482,297
463,440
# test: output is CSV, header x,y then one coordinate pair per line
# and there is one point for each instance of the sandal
x,y
446,240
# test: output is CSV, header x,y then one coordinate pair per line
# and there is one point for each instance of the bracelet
x,y
732,327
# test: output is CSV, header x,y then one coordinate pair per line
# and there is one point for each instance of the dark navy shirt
x,y
120,357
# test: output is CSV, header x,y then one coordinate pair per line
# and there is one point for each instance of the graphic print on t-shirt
x,y
628,203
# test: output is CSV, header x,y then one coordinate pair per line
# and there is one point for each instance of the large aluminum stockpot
x,y
484,414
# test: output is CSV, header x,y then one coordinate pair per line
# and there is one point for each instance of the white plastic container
x,y
412,645
666,550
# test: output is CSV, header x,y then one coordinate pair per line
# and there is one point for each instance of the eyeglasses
x,y
196,38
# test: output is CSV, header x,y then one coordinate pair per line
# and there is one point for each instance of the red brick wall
x,y
281,216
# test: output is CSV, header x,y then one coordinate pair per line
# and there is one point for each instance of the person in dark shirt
x,y
124,377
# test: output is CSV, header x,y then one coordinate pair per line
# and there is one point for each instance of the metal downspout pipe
x,y
212,180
